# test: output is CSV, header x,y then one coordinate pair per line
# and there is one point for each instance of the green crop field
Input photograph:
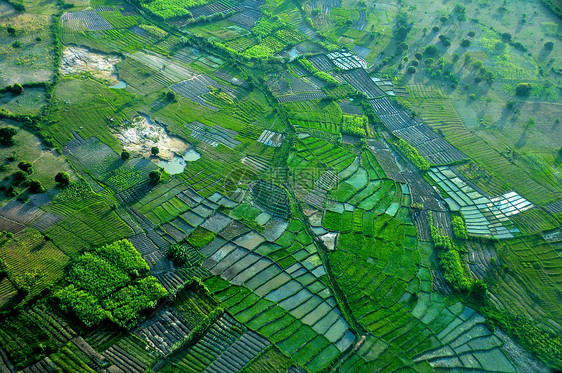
x,y
266,186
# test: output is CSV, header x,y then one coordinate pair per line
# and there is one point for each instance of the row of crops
x,y
273,282
489,216
390,282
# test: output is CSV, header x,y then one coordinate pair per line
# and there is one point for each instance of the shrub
x,y
431,50
7,135
178,253
62,178
354,125
523,89
16,89
459,227
35,187
26,167
20,178
413,155
155,176
479,290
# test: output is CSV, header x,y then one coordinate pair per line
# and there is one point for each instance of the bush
x,y
523,89
354,125
431,50
413,155
459,227
155,176
62,178
20,178
35,187
26,167
16,89
7,135
479,290
178,253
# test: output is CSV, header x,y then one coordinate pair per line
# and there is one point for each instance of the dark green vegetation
x,y
110,282
280,186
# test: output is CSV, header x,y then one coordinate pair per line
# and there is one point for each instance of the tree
x,y
171,96
412,70
479,289
477,64
35,187
20,178
62,178
403,46
26,167
16,89
7,135
548,45
465,43
431,50
16,44
155,176
11,30
506,37
471,34
418,55
154,150
435,29
125,155
523,89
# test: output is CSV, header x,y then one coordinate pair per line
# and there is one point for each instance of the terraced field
x,y
279,186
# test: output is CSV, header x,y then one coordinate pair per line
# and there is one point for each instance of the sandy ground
x,y
142,134
76,60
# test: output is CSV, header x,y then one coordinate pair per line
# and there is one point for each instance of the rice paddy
x,y
276,186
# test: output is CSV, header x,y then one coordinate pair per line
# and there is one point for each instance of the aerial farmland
x,y
280,186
